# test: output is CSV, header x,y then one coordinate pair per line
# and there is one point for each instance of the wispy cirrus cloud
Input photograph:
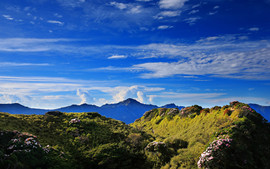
x,y
216,56
30,44
15,64
55,22
254,29
164,27
117,57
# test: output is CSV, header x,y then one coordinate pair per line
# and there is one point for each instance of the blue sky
x,y
54,53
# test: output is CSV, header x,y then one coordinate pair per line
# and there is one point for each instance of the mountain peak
x,y
130,101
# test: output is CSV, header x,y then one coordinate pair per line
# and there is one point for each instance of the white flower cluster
x,y
23,142
74,121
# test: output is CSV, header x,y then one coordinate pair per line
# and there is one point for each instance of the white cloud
x,y
22,64
193,11
140,96
196,6
71,3
117,57
129,7
135,9
31,44
119,5
242,65
8,17
227,56
254,29
165,27
84,96
212,13
165,14
55,22
216,7
172,4
192,20
170,13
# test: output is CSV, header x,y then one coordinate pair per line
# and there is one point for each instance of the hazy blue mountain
x,y
263,110
127,111
16,108
172,105
80,108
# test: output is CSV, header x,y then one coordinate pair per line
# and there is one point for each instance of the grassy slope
x,y
94,142
199,131
99,142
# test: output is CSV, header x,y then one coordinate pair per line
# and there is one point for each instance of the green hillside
x,y
232,136
193,130
88,141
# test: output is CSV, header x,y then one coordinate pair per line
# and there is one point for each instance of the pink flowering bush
x,y
215,156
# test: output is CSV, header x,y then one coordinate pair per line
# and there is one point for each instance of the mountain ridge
x,y
127,110
232,136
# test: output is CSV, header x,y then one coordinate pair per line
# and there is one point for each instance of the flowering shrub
x,y
191,111
245,108
155,146
74,121
215,155
233,103
22,142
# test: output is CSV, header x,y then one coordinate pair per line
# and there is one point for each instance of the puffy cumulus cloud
x,y
84,96
120,93
140,96
172,4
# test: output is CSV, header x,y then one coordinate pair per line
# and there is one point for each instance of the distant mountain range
x,y
127,111
263,110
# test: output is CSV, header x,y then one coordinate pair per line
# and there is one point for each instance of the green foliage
x,y
199,127
162,138
86,139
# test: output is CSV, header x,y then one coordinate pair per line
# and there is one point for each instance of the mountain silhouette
x,y
127,111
